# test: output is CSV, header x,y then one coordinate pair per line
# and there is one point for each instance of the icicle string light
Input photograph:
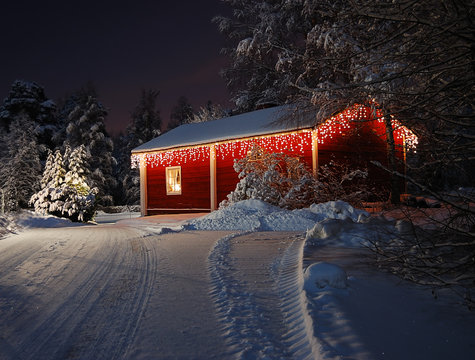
x,y
339,124
291,143
170,157
294,143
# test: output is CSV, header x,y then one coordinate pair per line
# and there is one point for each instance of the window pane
x,y
173,175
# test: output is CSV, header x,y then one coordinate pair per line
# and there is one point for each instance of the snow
x,y
30,220
247,281
256,215
260,122
321,274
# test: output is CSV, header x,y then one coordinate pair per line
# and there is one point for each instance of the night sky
x,y
121,47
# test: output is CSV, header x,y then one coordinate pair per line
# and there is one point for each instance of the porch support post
x,y
212,177
315,152
143,186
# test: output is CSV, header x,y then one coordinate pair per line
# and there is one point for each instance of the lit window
x,y
173,175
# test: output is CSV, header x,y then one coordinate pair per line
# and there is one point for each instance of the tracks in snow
x,y
109,293
257,288
77,298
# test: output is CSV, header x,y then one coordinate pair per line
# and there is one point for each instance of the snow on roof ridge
x,y
255,123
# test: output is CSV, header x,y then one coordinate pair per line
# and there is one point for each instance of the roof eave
x,y
195,144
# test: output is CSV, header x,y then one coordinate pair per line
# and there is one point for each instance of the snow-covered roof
x,y
260,122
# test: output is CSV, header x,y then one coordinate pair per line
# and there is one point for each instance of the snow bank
x,y
256,215
364,232
29,219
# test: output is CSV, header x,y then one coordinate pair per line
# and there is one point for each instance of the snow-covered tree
x,y
28,101
64,190
265,37
285,181
49,198
412,60
206,113
20,172
80,203
85,126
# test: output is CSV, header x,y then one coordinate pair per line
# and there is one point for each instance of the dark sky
x,y
121,47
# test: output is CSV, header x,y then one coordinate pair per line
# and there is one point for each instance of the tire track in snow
x,y
59,325
109,328
89,295
257,288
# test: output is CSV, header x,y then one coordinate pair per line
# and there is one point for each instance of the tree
x,y
64,191
264,37
283,180
21,167
206,113
27,100
145,125
272,177
180,114
85,126
411,60
46,200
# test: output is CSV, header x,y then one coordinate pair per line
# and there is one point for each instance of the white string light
x,y
291,143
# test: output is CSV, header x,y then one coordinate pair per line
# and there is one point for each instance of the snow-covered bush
x,y
285,181
275,178
64,191
338,181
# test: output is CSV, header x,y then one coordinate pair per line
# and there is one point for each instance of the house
x,y
190,168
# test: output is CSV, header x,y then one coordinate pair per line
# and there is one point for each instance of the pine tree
x,y
181,112
75,176
80,204
28,100
21,171
145,126
50,199
86,127
66,193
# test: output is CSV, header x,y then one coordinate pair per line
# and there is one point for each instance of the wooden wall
x,y
195,194
358,145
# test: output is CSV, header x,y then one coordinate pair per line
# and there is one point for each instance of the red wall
x,y
357,143
195,192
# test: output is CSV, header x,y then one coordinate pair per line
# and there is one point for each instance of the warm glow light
x,y
292,142
168,157
337,125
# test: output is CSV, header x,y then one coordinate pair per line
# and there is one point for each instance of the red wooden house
x,y
190,168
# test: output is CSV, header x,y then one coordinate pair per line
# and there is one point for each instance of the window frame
x,y
167,176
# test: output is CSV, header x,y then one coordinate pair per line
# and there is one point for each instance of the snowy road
x,y
118,292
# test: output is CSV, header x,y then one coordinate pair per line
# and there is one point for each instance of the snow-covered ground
x,y
263,283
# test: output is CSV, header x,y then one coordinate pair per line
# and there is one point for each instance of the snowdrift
x,y
256,215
